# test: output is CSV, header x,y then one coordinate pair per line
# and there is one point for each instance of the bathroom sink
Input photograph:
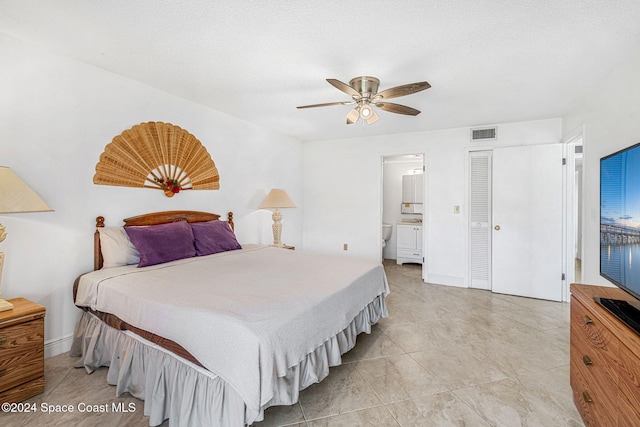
x,y
410,221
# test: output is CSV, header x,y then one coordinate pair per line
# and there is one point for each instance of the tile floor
x,y
444,357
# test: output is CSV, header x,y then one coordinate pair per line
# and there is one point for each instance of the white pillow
x,y
117,249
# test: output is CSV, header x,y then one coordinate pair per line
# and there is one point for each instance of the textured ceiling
x,y
487,61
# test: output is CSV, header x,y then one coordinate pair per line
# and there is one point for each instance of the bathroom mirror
x,y
412,194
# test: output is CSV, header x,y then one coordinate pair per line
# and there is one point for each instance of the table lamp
x,y
277,199
15,197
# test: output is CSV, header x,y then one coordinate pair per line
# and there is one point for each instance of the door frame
x,y
425,201
574,138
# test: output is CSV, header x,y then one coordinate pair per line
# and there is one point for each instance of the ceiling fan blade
x,y
327,104
345,88
353,116
397,108
403,90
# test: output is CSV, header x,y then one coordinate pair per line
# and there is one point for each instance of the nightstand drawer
x,y
21,368
21,353
21,337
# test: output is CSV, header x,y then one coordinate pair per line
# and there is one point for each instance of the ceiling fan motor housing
x,y
366,85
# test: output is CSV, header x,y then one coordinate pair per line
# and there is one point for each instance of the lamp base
x,y
5,305
277,228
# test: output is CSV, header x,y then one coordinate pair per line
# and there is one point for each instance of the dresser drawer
x,y
628,415
629,376
21,353
594,367
596,347
598,360
594,395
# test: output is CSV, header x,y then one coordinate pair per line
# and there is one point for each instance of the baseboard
x,y
438,279
58,346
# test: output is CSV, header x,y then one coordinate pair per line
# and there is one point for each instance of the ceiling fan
x,y
364,93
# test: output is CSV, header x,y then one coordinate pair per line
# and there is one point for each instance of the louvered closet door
x,y
480,219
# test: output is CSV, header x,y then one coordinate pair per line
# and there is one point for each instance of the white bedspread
x,y
246,315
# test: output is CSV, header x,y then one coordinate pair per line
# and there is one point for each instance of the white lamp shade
x,y
16,196
277,199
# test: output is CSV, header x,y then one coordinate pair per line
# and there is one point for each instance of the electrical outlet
x,y
345,247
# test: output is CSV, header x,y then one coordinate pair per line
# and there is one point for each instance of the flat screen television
x,y
620,230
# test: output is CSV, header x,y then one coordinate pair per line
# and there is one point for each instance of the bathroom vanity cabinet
x,y
409,243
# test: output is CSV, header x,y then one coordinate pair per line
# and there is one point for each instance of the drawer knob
x,y
3,372
587,361
586,319
586,397
3,341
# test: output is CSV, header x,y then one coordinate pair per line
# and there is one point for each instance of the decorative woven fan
x,y
157,155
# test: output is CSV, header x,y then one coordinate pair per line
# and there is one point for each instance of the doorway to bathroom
x,y
403,207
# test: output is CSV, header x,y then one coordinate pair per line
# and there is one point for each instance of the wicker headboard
x,y
154,219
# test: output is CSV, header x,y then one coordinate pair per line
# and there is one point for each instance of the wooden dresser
x,y
21,351
605,360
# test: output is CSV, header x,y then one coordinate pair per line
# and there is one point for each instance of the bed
x,y
217,332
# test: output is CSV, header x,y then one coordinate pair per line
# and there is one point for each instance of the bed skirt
x,y
186,394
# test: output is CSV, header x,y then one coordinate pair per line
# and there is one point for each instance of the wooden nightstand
x,y
21,351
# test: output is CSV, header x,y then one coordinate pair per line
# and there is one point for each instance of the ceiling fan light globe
x,y
372,118
365,112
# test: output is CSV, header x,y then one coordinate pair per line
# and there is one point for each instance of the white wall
x,y
57,115
342,196
610,114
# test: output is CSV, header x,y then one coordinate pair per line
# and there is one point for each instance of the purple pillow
x,y
163,242
212,237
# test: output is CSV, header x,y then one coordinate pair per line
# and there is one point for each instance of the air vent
x,y
484,134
